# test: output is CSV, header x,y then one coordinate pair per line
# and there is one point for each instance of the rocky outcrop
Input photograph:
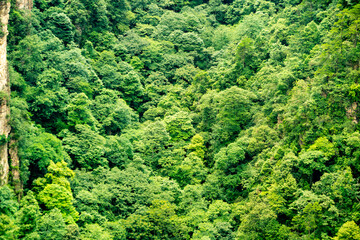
x,y
24,4
4,93
15,172
351,112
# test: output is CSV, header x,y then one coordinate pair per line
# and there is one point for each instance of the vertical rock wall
x,y
4,93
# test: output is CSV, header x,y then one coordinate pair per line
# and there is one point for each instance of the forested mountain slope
x,y
173,119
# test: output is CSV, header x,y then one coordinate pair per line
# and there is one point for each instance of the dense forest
x,y
175,119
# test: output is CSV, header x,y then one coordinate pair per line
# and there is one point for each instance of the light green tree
x,y
348,231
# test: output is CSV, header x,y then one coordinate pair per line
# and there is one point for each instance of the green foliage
x,y
216,222
7,227
179,126
258,220
94,231
3,139
112,113
153,140
348,230
52,225
157,119
42,149
225,113
159,221
55,193
119,151
85,146
4,97
49,99
79,112
28,58
8,204
128,190
121,77
197,146
60,24
116,230
316,214
8,208
340,186
191,171
28,215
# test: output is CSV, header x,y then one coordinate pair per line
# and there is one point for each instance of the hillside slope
x,y
156,119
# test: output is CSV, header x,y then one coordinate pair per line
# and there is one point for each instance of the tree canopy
x,y
206,119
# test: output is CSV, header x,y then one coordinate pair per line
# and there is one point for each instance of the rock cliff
x,y
4,93
24,4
